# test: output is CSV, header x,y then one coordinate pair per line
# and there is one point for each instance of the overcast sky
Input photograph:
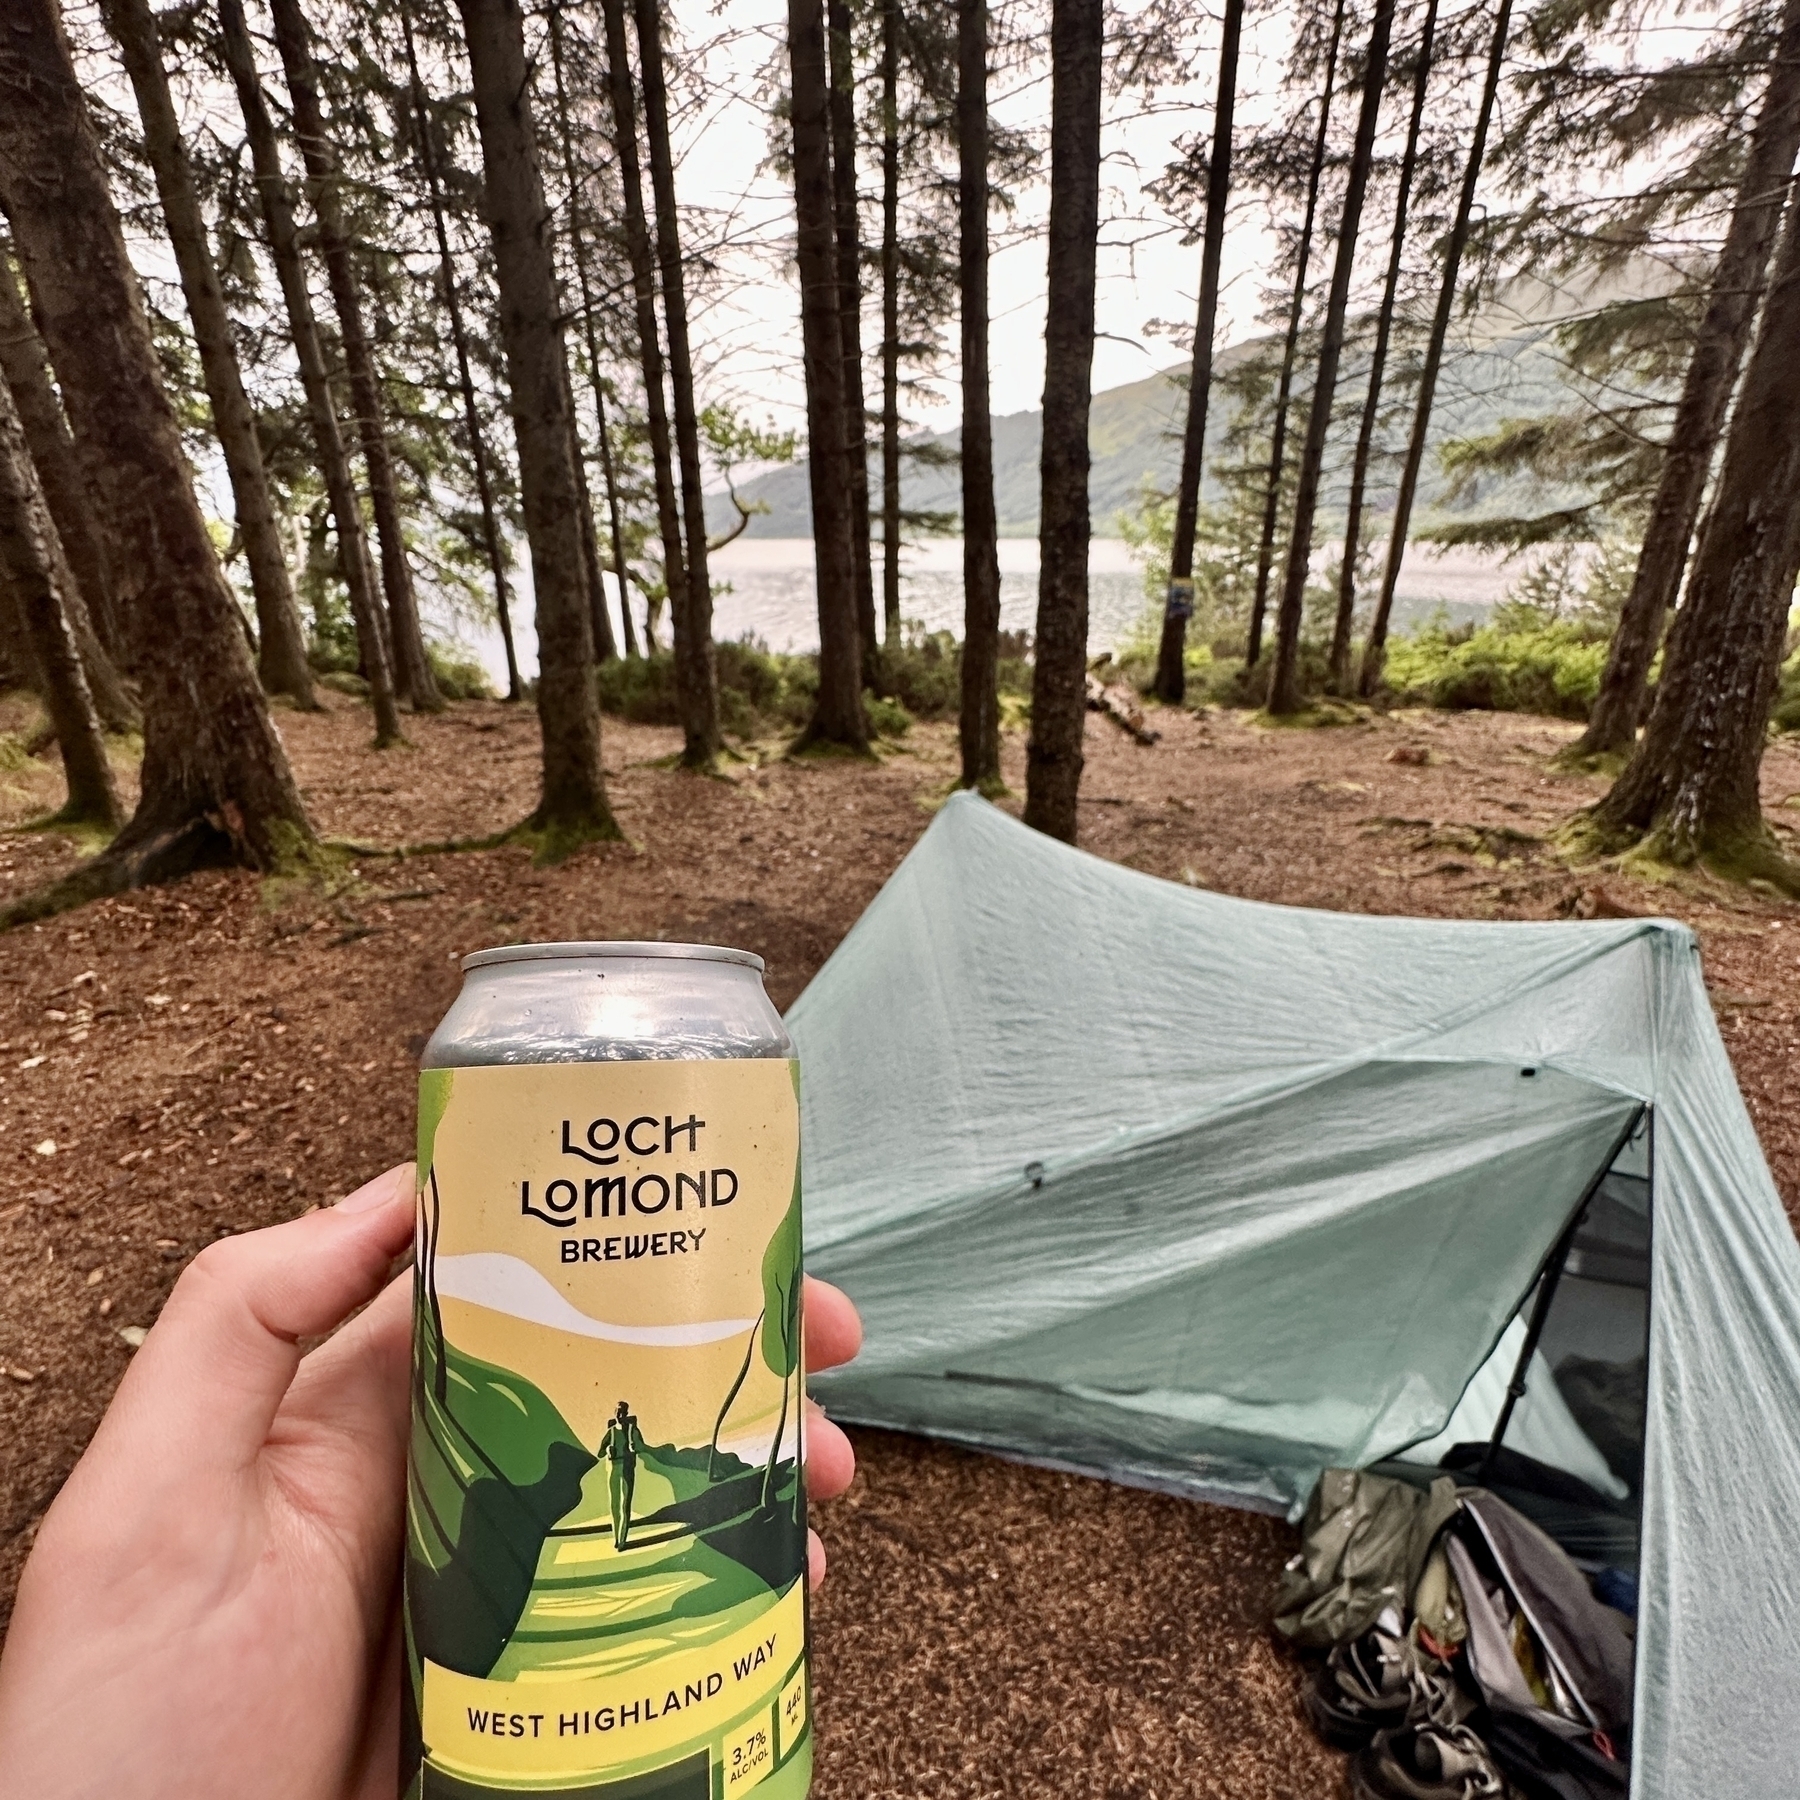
x,y
752,332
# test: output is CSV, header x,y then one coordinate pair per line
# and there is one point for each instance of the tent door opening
x,y
1553,1422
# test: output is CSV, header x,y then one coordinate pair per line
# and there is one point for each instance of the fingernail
x,y
370,1195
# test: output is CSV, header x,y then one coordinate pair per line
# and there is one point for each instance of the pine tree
x,y
1284,683
572,806
847,206
579,235
979,722
25,367
1690,792
1171,673
492,540
699,682
1712,370
281,643
215,785
838,716
1378,357
1059,676
284,249
87,599
1265,554
643,283
33,570
1374,649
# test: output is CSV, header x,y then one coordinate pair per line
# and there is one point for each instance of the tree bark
x,y
1265,550
68,496
411,667
281,643
1706,391
698,680
643,285
578,244
215,785
1171,668
850,296
25,365
1384,328
890,323
284,251
599,625
1374,650
573,806
979,720
459,336
33,568
1284,683
1691,785
1058,683
838,716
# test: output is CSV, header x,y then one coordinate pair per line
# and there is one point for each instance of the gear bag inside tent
x,y
1207,1195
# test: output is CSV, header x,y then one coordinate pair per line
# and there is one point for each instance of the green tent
x,y
1208,1195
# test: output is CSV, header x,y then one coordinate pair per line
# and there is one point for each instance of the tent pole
x,y
1548,1282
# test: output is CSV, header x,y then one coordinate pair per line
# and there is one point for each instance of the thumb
x,y
215,1367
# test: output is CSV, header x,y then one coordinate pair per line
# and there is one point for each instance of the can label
x,y
606,1521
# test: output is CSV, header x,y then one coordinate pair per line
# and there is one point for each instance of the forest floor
x,y
222,1054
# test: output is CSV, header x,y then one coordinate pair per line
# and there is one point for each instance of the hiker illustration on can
x,y
607,1595
620,1447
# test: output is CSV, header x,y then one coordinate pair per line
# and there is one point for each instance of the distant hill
x,y
1502,363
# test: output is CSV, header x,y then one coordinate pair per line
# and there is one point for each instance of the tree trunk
x,y
25,366
215,783
284,251
459,335
281,643
578,244
979,721
1434,355
67,494
698,680
1059,678
1265,550
411,668
1284,684
643,284
1384,328
33,568
890,323
1691,785
838,715
621,570
849,271
1171,669
599,625
1706,391
573,806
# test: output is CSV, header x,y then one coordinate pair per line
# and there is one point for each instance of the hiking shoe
x,y
1430,1762
1377,1682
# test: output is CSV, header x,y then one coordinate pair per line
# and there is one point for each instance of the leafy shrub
x,y
764,692
1550,668
345,681
887,717
458,678
1787,696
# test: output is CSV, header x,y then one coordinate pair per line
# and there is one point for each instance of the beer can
x,y
605,1588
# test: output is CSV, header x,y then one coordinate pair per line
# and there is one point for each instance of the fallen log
x,y
1120,705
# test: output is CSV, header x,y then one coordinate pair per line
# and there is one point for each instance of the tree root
x,y
129,862
1746,856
